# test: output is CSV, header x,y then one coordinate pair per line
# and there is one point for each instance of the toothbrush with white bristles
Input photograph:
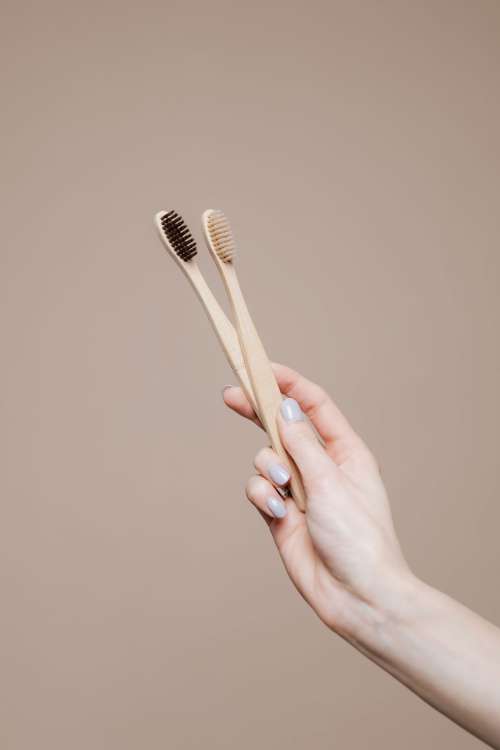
x,y
220,241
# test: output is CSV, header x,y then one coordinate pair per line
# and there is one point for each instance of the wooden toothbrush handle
x,y
265,388
224,330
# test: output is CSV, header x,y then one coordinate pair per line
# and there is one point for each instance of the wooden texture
x,y
223,327
265,388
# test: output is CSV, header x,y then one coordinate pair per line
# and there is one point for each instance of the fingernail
x,y
278,474
277,508
291,411
225,388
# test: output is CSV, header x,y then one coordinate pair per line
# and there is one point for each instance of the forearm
x,y
344,558
442,651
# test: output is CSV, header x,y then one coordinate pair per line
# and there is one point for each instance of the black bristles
x,y
178,235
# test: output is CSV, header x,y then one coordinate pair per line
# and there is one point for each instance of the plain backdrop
x,y
355,148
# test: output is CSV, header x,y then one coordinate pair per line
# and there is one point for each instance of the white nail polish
x,y
279,475
277,507
291,411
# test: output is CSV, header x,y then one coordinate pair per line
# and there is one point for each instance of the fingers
x,y
298,439
290,532
234,397
314,464
264,496
287,524
261,489
268,464
339,437
326,417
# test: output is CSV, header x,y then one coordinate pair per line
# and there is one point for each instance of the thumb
x,y
302,444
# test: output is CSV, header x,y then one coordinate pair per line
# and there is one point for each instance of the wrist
x,y
392,611
442,651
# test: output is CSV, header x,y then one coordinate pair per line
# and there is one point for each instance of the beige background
x,y
355,147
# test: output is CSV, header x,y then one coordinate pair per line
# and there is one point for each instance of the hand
x,y
342,554
344,558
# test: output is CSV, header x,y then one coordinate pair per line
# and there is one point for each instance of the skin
x,y
344,558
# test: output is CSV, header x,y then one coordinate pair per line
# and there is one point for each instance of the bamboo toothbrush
x,y
181,245
267,394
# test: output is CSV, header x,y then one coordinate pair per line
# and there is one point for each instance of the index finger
x,y
329,422
331,425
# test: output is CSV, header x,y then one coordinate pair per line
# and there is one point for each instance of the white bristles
x,y
221,236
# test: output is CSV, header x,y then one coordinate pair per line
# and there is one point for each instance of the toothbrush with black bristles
x,y
181,245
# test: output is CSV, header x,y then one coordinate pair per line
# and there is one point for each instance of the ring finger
x,y
264,496
269,464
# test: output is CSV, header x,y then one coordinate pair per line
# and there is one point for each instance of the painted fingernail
x,y
277,507
278,474
291,411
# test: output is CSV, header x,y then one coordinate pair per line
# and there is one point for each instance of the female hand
x,y
344,558
342,554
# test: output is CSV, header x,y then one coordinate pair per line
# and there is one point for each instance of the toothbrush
x,y
220,241
181,245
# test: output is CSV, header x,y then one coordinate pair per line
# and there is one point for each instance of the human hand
x,y
342,554
344,558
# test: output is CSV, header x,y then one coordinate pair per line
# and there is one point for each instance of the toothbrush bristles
x,y
178,235
221,236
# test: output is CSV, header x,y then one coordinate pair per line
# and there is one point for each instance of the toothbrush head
x,y
219,234
176,235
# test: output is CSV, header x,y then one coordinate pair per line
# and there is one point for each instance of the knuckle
x,y
249,487
260,458
319,481
255,487
263,458
320,395
296,430
300,435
